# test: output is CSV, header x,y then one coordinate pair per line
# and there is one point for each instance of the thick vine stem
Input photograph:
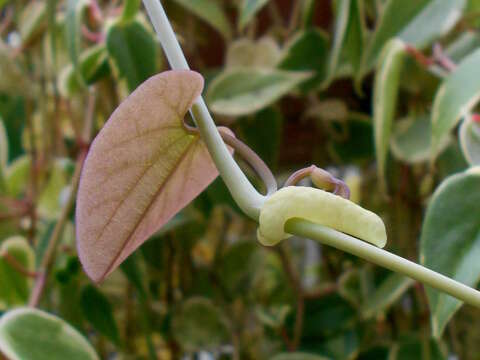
x,y
245,195
383,258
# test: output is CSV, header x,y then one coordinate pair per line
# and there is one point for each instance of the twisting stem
x,y
247,154
245,195
49,257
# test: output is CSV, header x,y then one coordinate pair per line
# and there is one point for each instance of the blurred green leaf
x,y
50,202
469,137
416,23
211,12
99,312
389,292
463,45
273,316
73,23
33,20
248,9
199,325
3,146
263,53
30,334
93,65
239,92
385,93
307,51
308,10
12,112
417,350
411,139
17,176
133,50
13,80
450,241
455,98
15,288
130,9
349,36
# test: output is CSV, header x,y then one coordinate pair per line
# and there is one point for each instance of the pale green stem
x,y
383,258
245,195
251,201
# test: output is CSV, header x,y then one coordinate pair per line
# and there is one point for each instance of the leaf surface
x,y
30,334
455,98
244,91
211,12
248,9
450,241
387,81
469,136
15,287
417,23
142,168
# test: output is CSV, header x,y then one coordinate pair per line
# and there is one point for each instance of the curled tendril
x,y
321,179
247,154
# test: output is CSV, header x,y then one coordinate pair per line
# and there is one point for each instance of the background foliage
x,y
380,92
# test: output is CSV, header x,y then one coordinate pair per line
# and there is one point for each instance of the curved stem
x,y
383,258
245,195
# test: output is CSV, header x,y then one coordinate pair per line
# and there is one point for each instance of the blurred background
x,y
296,80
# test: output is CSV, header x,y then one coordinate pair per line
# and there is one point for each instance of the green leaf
x,y
417,23
417,349
411,140
99,312
385,93
211,12
349,35
389,292
455,98
307,14
469,136
463,45
12,78
263,53
3,146
199,325
130,9
93,65
134,177
50,203
450,241
33,20
133,50
15,288
30,334
307,51
12,112
297,356
73,23
239,92
17,176
248,9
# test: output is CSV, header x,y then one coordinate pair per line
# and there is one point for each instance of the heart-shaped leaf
x,y
455,98
469,136
30,334
450,241
142,168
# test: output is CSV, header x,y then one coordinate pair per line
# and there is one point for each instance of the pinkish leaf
x,y
142,168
